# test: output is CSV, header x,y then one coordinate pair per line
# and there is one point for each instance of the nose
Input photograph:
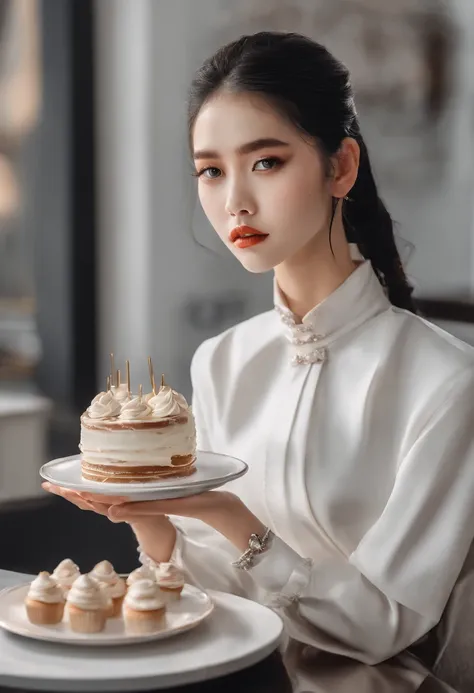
x,y
239,200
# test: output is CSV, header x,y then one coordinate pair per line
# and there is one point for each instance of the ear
x,y
345,167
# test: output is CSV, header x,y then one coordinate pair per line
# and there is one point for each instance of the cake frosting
x,y
169,576
66,573
113,590
144,595
147,446
105,572
167,402
86,594
104,406
138,438
136,408
46,590
121,393
111,584
141,573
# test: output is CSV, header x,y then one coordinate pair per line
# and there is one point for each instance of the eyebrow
x,y
247,148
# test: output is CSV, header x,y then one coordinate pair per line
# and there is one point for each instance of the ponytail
x,y
368,223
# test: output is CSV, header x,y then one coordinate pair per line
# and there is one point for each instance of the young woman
x,y
354,414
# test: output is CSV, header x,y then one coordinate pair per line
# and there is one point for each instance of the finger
x,y
70,496
99,508
178,506
139,509
101,498
66,493
51,488
117,520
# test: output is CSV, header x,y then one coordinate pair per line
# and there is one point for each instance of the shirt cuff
x,y
282,573
176,554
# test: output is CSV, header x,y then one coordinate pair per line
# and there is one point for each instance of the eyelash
x,y
274,159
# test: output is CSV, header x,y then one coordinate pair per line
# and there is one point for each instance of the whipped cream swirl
x,y
136,408
141,573
113,590
86,594
169,575
66,572
167,402
121,393
104,572
104,406
144,595
46,590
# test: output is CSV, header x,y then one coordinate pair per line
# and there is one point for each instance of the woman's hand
x,y
156,534
99,504
221,510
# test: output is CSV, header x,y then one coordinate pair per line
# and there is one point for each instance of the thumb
x,y
115,514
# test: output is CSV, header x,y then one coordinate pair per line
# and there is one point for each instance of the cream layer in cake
x,y
139,443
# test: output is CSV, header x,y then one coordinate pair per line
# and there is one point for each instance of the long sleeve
x,y
396,584
394,587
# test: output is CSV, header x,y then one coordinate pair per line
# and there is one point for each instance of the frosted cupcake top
x,y
66,572
105,572
113,590
169,575
144,595
46,590
141,573
86,594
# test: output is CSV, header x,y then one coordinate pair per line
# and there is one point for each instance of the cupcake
x,y
144,608
170,580
141,573
104,573
45,601
113,593
65,574
86,606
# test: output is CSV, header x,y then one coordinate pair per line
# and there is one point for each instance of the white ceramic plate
x,y
238,634
193,607
212,471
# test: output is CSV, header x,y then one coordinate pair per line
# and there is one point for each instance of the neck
x,y
314,273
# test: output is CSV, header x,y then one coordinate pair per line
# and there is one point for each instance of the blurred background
x,y
104,248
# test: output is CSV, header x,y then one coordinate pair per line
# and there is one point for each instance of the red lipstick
x,y
246,236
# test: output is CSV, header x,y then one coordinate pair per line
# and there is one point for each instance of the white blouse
x,y
358,433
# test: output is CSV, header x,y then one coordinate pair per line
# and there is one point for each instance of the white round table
x,y
237,635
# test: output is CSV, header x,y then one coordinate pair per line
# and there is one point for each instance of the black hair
x,y
312,89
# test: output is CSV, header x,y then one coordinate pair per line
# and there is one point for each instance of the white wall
x,y
152,272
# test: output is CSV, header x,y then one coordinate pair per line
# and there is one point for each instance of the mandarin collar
x,y
358,299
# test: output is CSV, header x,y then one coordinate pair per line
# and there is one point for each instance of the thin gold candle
x,y
127,365
112,368
152,375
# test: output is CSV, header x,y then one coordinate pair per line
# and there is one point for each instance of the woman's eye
x,y
267,164
210,172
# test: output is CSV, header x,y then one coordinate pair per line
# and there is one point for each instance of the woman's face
x,y
256,172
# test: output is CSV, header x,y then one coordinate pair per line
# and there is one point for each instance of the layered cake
x,y
129,438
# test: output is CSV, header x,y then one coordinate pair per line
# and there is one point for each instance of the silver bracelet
x,y
257,545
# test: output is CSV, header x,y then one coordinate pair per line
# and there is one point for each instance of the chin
x,y
258,262
257,265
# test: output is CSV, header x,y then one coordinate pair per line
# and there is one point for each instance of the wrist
x,y
156,537
236,522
